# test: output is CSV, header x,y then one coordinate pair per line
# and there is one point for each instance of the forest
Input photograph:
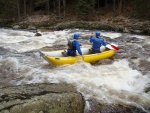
x,y
17,10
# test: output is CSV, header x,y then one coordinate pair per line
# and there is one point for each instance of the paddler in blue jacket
x,y
97,42
74,45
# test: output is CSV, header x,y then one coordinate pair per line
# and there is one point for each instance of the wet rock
x,y
96,107
134,39
38,34
147,89
31,27
144,66
41,98
147,48
126,30
3,51
16,27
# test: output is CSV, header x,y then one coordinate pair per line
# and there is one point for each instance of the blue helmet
x,y
97,33
76,35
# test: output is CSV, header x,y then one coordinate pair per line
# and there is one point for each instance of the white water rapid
x,y
114,82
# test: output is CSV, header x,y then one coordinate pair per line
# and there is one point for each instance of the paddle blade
x,y
114,46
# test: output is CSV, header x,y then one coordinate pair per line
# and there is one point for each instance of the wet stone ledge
x,y
41,98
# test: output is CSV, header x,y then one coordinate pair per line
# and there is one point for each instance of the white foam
x,y
23,41
100,81
112,35
139,36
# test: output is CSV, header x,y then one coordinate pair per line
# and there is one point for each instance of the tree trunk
x,y
98,4
114,5
120,6
54,6
106,3
48,9
93,8
64,4
59,8
18,7
25,8
31,6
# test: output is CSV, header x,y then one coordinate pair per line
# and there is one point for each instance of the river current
x,y
124,79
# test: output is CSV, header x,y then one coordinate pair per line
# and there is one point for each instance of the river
x,y
123,79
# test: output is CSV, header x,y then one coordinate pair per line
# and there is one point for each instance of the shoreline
x,y
116,24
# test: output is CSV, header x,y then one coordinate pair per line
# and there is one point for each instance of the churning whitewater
x,y
121,80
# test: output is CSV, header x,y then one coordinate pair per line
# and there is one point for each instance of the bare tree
x,y
106,3
18,7
25,11
64,5
98,4
31,6
48,9
59,8
120,6
114,5
54,3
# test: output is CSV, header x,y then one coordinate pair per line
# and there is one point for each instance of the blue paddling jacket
x,y
75,46
97,42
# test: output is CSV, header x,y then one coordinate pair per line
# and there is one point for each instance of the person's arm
x,y
79,49
104,43
91,39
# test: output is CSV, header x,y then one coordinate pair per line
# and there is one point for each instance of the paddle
x,y
114,46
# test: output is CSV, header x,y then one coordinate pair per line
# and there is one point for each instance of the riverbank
x,y
118,24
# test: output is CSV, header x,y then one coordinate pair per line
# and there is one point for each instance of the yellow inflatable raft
x,y
57,58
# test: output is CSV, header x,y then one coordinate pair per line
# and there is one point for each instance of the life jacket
x,y
70,44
